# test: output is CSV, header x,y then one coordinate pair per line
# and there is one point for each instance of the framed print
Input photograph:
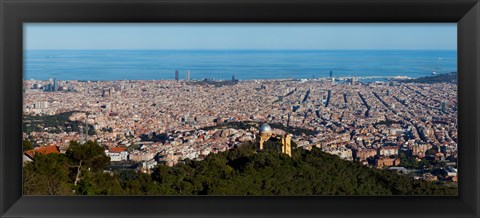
x,y
267,108
224,109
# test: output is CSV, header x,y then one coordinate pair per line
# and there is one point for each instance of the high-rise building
x,y
354,80
233,78
176,75
55,85
331,73
187,78
444,106
47,87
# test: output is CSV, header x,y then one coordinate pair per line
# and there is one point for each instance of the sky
x,y
171,36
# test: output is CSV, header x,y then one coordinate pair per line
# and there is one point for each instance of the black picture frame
x,y
13,13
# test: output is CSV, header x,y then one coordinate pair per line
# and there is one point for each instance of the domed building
x,y
265,134
265,128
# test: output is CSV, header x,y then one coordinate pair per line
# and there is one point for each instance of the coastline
x,y
243,64
442,77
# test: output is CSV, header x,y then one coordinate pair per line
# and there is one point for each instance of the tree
x,y
47,175
240,171
88,156
407,161
27,145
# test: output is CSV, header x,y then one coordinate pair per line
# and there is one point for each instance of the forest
x,y
54,123
240,171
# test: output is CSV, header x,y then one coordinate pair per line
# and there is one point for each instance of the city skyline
x,y
231,121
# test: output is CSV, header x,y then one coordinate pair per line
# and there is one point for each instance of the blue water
x,y
244,64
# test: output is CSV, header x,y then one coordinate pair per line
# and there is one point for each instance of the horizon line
x,y
239,80
250,49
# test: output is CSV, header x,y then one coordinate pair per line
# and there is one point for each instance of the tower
x,y
86,127
331,74
49,86
176,75
187,78
55,84
287,144
80,134
265,134
444,106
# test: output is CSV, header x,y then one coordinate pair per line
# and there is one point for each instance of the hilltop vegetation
x,y
441,78
240,171
53,123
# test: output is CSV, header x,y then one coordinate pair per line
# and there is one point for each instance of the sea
x,y
242,64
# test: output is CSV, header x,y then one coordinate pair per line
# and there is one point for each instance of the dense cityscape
x,y
406,127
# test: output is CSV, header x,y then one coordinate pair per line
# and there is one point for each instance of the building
x,y
106,93
365,154
287,144
387,162
141,156
187,78
444,106
147,166
341,152
177,75
419,150
40,104
55,85
47,87
265,134
388,151
29,155
117,154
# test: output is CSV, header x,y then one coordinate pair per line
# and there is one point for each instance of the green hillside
x,y
240,171
441,78
53,123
